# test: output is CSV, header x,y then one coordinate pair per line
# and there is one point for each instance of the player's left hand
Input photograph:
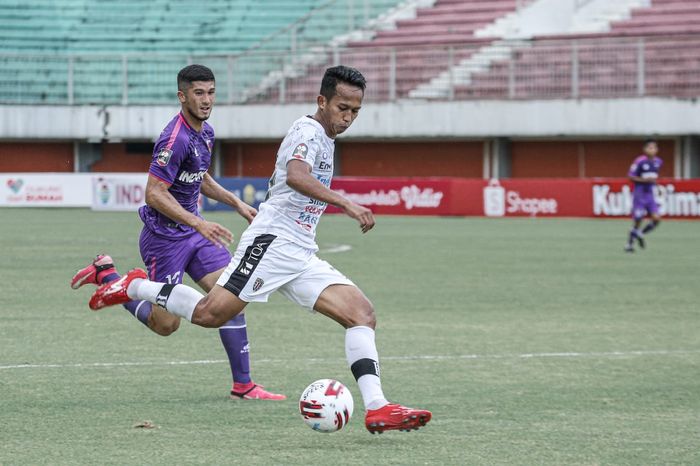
x,y
247,212
215,233
362,214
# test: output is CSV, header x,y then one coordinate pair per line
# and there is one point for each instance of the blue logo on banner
x,y
251,190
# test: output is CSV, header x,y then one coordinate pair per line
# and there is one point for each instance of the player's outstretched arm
x,y
214,190
300,179
159,198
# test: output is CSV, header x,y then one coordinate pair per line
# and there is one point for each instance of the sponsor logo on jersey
x,y
325,166
196,152
300,152
259,282
187,177
163,157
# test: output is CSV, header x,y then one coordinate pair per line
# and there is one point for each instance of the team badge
x,y
259,282
300,152
163,157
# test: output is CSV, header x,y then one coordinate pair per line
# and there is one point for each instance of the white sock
x,y
179,300
363,359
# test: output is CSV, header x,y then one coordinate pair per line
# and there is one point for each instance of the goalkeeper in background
x,y
644,173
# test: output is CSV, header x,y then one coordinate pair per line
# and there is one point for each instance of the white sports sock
x,y
363,359
179,300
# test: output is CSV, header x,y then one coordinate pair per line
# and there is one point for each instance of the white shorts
x,y
264,264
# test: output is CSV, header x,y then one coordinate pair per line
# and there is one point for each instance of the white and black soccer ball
x,y
326,405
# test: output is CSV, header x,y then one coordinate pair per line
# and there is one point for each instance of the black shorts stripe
x,y
245,268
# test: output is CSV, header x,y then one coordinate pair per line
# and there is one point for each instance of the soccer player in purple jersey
x,y
175,238
644,172
277,252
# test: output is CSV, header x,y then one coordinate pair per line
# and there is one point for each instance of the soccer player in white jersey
x,y
278,252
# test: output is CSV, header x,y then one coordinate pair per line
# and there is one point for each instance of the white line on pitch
x,y
334,248
609,354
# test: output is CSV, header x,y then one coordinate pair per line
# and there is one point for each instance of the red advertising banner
x,y
403,196
676,198
512,198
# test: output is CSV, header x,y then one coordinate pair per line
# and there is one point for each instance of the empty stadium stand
x,y
396,61
129,51
654,52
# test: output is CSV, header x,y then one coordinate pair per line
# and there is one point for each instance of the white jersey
x,y
286,213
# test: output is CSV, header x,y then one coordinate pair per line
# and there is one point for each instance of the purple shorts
x,y
644,205
167,259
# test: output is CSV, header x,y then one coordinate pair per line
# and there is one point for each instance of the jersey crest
x,y
300,152
164,157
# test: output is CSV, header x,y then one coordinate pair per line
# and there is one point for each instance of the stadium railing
x,y
564,68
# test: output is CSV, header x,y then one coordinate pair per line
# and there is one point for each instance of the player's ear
x,y
321,101
181,97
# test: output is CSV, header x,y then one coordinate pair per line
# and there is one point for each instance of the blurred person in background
x,y
644,172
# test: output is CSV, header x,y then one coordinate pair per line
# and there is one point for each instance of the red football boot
x,y
114,292
253,391
93,272
396,417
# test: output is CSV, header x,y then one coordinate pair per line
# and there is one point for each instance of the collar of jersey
x,y
320,127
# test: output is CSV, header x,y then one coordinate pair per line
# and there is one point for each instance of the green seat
x,y
158,37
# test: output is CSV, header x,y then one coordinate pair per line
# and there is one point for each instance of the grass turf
x,y
533,341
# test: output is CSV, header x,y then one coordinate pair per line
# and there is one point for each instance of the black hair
x,y
192,73
342,74
648,141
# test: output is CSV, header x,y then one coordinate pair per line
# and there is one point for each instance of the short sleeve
x,y
634,169
304,147
167,158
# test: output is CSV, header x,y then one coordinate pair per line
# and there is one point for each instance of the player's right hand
x,y
215,233
363,215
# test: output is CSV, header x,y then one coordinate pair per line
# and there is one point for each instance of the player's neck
x,y
193,123
326,127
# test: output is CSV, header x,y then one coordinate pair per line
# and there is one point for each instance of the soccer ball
x,y
326,405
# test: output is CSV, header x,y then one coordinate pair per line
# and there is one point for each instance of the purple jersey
x,y
646,168
181,158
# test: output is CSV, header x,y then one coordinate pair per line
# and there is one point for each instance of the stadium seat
x,y
607,62
101,32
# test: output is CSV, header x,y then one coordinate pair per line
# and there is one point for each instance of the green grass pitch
x,y
533,341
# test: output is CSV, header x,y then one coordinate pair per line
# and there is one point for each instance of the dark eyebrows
x,y
345,106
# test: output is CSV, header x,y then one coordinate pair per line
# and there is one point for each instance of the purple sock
x,y
139,309
650,226
234,337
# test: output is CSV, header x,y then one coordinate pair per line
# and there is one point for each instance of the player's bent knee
x,y
207,314
363,315
162,323
168,328
206,319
